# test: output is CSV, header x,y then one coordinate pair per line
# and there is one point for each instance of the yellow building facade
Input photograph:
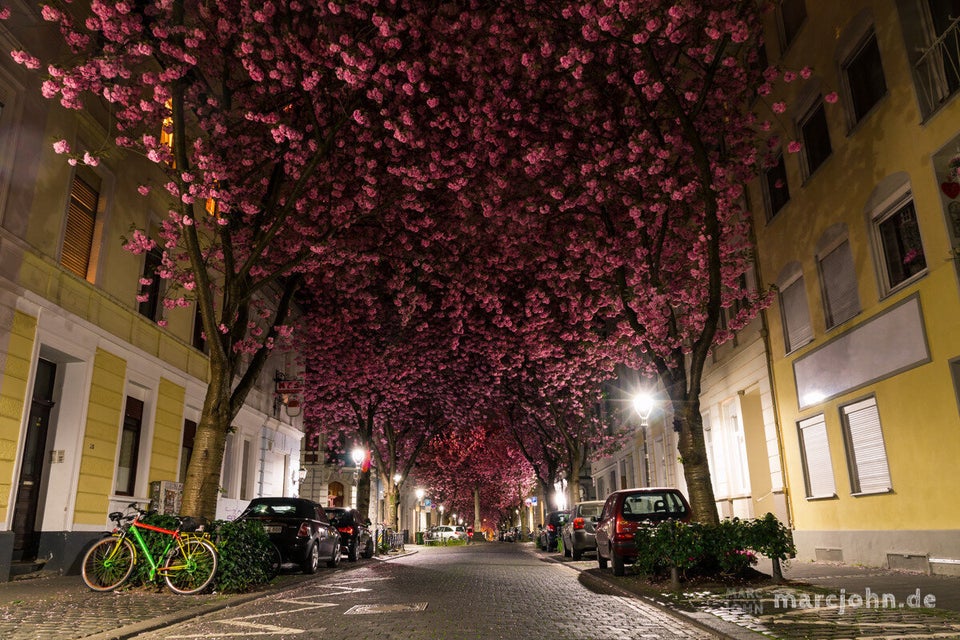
x,y
859,230
100,385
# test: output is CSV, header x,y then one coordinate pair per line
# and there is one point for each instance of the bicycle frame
x,y
174,537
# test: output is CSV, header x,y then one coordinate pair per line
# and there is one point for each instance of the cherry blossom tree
x,y
270,125
631,136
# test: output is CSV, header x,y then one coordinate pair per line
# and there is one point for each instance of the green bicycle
x,y
189,560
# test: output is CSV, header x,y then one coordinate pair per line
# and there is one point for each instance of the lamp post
x,y
440,508
416,525
643,404
358,455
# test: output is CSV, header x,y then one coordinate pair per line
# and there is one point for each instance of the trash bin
x,y
419,537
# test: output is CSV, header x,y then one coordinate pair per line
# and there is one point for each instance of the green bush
x,y
730,547
245,554
156,543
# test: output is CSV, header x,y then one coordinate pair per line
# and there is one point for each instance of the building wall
x,y
91,329
898,347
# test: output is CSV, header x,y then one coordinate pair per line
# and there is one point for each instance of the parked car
x,y
299,529
550,533
461,531
624,511
356,540
578,533
441,533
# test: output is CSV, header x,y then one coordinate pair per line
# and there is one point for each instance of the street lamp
x,y
643,404
416,526
441,513
358,455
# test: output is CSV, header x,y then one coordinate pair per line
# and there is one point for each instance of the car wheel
x,y
352,551
566,549
601,561
312,561
335,558
368,550
576,553
619,567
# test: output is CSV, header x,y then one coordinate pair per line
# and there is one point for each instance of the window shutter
x,y
816,454
796,315
839,285
78,236
868,456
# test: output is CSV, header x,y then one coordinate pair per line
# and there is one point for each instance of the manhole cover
x,y
361,609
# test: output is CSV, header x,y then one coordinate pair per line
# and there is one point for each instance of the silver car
x,y
578,532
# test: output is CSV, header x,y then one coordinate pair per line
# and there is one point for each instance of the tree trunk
x,y
201,488
476,509
363,493
693,453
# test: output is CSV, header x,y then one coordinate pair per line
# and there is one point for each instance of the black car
x,y
550,532
299,529
355,537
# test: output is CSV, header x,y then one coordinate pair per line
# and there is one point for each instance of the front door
x,y
26,538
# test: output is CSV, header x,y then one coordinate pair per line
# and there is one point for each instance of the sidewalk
x,y
821,601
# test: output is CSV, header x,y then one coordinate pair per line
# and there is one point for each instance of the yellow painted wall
x,y
98,459
13,394
167,432
918,408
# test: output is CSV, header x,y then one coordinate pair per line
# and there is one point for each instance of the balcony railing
x,y
938,70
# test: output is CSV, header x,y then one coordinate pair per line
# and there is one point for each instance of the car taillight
x,y
624,530
578,523
304,531
550,527
346,530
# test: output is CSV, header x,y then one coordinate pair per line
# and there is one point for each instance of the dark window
x,y
865,78
792,15
902,248
775,186
150,292
186,448
816,137
129,448
199,341
81,223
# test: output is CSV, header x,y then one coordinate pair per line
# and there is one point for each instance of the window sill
x,y
832,496
905,284
878,492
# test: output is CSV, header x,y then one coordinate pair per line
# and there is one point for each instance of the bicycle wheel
x,y
190,566
108,564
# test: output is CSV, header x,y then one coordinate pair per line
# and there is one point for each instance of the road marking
x,y
363,609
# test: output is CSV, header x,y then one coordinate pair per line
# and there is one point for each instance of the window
x,y
246,472
866,454
199,340
931,30
126,480
816,137
186,447
841,300
815,454
791,14
775,189
796,315
901,249
78,237
864,77
226,476
150,285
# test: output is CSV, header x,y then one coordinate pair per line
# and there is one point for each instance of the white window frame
x,y
840,291
866,449
819,481
890,207
797,331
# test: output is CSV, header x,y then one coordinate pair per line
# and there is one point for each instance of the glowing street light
x,y
643,404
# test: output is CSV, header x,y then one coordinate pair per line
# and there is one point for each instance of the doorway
x,y
26,540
